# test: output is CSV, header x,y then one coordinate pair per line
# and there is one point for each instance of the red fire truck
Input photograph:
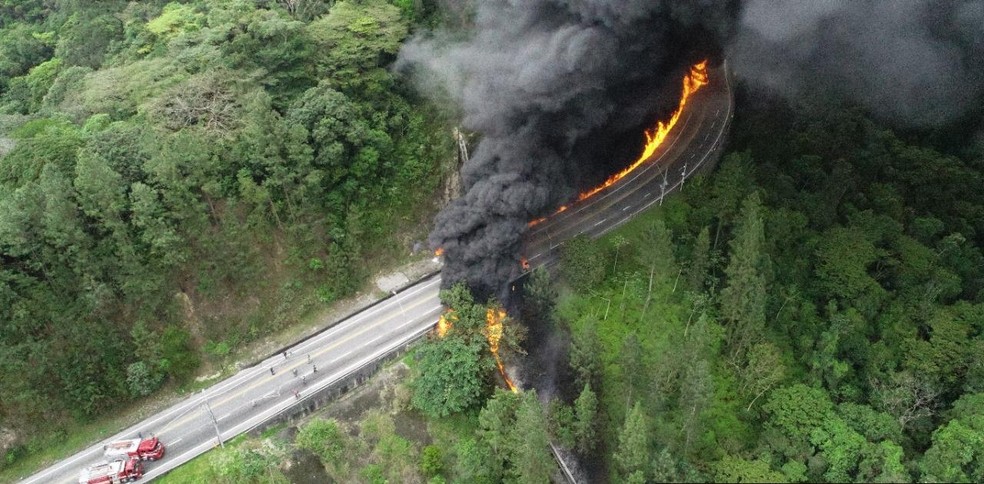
x,y
112,472
143,449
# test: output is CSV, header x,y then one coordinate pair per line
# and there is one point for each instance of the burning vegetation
x,y
692,82
494,329
445,322
556,92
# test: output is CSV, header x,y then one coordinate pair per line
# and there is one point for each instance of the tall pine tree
x,y
744,296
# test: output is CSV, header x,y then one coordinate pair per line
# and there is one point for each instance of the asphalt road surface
x,y
254,395
694,143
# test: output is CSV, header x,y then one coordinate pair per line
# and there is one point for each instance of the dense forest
x,y
177,178
811,312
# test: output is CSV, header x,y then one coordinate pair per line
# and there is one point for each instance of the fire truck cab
x,y
124,470
143,449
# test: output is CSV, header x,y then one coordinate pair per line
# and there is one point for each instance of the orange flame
x,y
524,263
445,322
493,331
692,82
439,252
537,221
493,327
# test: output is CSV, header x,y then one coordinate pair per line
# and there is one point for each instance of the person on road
x,y
314,368
285,354
303,380
271,370
295,372
297,395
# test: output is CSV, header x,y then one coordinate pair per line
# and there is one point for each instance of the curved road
x,y
694,144
254,395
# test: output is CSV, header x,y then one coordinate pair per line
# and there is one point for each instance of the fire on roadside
x,y
493,332
692,82
445,322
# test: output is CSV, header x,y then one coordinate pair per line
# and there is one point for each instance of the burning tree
x,y
489,323
454,370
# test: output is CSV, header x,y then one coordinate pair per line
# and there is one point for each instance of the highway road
x,y
694,143
256,394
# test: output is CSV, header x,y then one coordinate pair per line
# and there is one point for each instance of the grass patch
x,y
270,432
241,460
198,469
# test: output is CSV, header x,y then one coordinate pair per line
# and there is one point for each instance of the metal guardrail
x,y
298,407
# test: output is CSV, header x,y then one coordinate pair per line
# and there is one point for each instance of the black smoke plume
x,y
915,63
559,91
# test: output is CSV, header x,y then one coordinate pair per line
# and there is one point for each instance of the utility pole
x,y
662,187
215,423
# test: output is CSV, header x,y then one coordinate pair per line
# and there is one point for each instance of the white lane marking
x,y
175,441
280,406
365,313
235,381
371,310
222,417
647,194
346,355
627,207
625,182
600,222
717,140
371,313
